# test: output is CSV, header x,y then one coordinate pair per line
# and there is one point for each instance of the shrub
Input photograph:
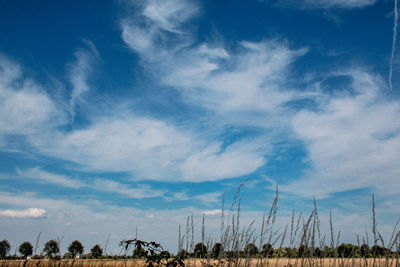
x,y
267,250
250,250
200,250
216,250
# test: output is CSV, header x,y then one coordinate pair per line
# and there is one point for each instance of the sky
x,y
126,117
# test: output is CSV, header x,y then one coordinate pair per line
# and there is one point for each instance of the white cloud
x,y
353,141
25,107
102,185
138,192
146,147
343,4
212,212
79,71
28,213
38,174
236,160
169,15
209,198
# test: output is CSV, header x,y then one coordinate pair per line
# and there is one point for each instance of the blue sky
x,y
130,114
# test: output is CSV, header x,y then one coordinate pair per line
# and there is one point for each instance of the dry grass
x,y
279,262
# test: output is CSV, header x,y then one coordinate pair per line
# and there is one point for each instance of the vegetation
x,y
299,243
96,251
75,248
51,248
4,248
26,249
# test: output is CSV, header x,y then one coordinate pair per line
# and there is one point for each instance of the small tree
x,y
51,248
182,254
200,250
267,250
216,250
250,250
26,249
364,251
96,251
4,248
75,248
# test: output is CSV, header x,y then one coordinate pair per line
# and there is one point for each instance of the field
x,y
280,262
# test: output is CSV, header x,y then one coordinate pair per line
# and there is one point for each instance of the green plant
x,y
267,250
75,248
250,250
155,254
200,250
96,251
4,248
26,249
217,250
51,248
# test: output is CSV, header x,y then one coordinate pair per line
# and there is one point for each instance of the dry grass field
x,y
279,262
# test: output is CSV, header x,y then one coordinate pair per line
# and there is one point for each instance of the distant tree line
x,y
51,250
76,250
267,251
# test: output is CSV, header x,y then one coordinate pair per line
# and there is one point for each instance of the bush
x,y
267,250
250,250
200,250
216,250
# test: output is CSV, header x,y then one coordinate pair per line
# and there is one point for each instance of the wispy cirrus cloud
x,y
79,71
353,141
25,107
327,4
50,178
139,191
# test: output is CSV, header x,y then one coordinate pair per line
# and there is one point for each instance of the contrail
x,y
396,17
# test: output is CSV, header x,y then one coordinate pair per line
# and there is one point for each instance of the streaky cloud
x,y
394,38
27,213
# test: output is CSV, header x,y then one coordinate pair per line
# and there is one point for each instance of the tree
x,y
250,250
26,249
200,250
96,251
75,248
364,251
51,248
304,251
378,251
346,250
216,250
267,250
4,248
182,254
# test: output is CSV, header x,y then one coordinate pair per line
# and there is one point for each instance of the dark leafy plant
x,y
200,250
75,248
155,254
216,250
26,249
51,248
96,251
4,248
